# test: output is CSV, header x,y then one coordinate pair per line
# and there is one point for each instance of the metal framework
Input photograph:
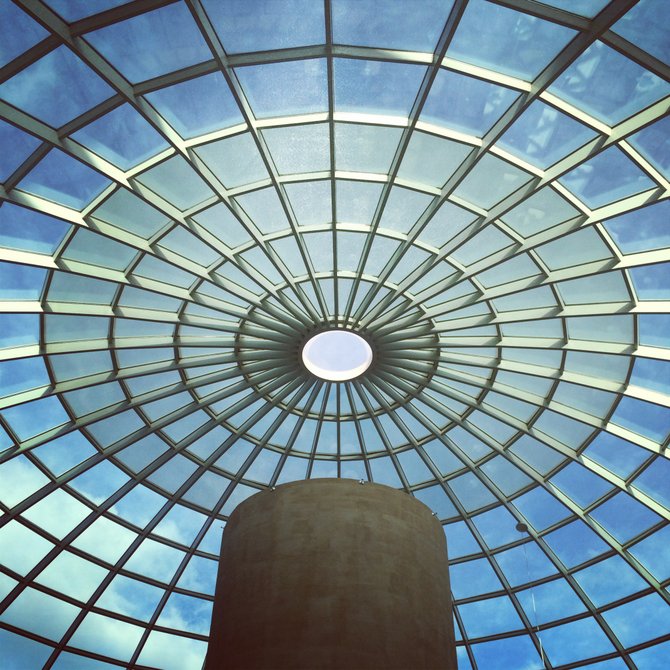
x,y
189,191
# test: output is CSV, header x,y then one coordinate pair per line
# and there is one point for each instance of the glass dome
x,y
189,190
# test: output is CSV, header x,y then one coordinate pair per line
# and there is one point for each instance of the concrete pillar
x,y
332,574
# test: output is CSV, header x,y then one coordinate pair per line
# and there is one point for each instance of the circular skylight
x,y
190,189
337,355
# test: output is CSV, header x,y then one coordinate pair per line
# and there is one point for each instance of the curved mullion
x,y
144,248
221,58
147,530
112,77
132,482
431,72
313,395
349,390
580,42
327,389
504,500
616,262
569,162
540,481
525,429
454,500
358,386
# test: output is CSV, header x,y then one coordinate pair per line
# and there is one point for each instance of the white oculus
x,y
337,355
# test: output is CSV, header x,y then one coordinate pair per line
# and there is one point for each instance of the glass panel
x,y
197,106
17,146
311,202
580,484
431,160
404,207
18,32
266,24
127,211
55,615
642,25
299,148
523,564
551,601
608,85
29,230
654,144
20,282
72,10
542,135
56,88
491,180
280,89
608,177
389,24
624,517
540,509
641,229
235,161
583,246
609,580
88,247
135,46
222,223
120,639
265,209
477,617
168,650
588,8
500,654
122,137
180,241
64,180
465,104
365,148
651,282
72,288
574,641
376,87
643,418
176,181
541,211
653,553
506,41
608,287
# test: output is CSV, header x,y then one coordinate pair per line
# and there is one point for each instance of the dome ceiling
x,y
191,190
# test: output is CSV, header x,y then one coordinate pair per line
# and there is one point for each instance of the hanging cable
x,y
523,528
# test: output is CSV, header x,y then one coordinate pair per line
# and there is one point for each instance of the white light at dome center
x,y
337,355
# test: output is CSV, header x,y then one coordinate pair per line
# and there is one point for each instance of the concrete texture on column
x,y
332,574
